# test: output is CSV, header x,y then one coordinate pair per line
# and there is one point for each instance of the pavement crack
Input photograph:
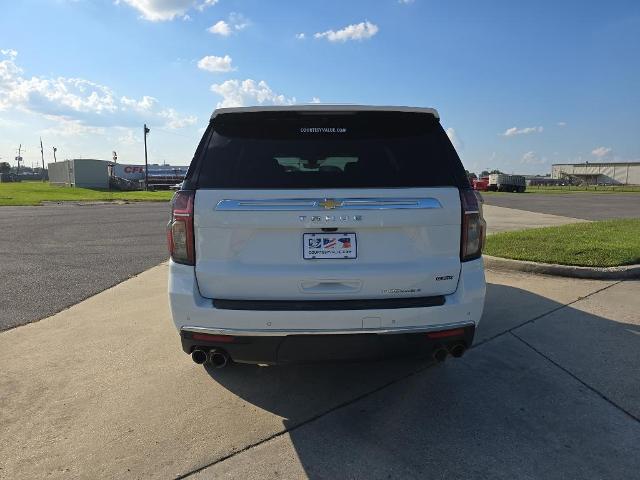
x,y
542,315
421,369
578,379
311,419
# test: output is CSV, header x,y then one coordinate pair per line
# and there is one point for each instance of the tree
x,y
484,173
5,167
470,175
495,171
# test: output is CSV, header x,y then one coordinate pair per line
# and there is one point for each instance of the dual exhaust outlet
x,y
220,359
455,350
216,358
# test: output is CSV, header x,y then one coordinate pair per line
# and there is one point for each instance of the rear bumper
x,y
270,348
273,336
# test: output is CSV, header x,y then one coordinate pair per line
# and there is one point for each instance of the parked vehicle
x,y
481,184
309,233
500,182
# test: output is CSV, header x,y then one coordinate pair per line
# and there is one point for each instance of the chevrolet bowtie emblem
x,y
329,204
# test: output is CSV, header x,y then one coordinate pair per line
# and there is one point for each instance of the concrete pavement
x,y
501,219
103,390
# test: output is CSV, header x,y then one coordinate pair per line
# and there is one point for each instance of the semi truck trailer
x,y
500,182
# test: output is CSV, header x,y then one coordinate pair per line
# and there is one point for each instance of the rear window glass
x,y
269,150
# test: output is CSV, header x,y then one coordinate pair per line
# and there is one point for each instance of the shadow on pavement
x,y
505,410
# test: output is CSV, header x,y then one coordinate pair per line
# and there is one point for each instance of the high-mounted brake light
x,y
473,226
180,238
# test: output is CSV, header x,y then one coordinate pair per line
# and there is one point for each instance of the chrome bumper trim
x,y
320,204
237,332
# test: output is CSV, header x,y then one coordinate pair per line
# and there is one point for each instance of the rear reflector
x,y
458,332
206,337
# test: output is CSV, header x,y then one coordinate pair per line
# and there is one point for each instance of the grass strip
x,y
34,193
609,243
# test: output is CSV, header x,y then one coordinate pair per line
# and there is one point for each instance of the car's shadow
x,y
506,410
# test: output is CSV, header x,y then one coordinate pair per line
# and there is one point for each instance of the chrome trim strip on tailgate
x,y
237,332
322,204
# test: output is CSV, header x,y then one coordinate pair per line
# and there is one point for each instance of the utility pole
x,y
55,149
18,158
42,155
146,164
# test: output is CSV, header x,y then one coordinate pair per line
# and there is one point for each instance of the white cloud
x,y
235,23
206,3
77,105
69,127
164,10
405,2
9,52
601,152
301,36
220,28
144,105
237,93
315,100
510,132
532,158
160,10
455,139
562,124
175,120
358,31
211,63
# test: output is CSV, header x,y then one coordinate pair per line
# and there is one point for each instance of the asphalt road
x,y
587,206
54,256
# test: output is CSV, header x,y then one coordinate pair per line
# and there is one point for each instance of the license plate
x,y
329,245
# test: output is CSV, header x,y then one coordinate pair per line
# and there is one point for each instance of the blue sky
x,y
519,85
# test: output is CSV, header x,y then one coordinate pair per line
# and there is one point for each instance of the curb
x,y
597,273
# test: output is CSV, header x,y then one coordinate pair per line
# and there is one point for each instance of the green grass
x,y
573,189
610,243
34,193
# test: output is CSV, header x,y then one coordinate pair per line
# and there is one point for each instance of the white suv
x,y
308,233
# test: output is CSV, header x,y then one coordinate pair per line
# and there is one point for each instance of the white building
x,y
79,172
622,173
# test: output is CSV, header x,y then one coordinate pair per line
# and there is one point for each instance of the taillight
x,y
180,237
473,226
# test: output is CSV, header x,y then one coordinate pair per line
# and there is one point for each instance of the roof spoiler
x,y
320,107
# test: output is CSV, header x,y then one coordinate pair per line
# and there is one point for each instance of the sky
x,y
519,85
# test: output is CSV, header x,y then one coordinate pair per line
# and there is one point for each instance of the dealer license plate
x,y
329,245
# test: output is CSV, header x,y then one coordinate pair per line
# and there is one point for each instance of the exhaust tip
x,y
440,354
199,356
457,350
218,359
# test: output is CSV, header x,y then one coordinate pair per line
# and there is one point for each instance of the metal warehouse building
x,y
624,173
80,172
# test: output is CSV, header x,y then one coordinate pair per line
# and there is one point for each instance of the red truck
x,y
481,184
